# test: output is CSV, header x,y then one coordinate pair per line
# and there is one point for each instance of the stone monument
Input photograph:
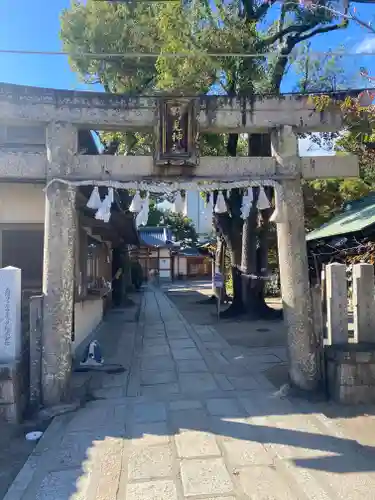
x,y
12,398
10,314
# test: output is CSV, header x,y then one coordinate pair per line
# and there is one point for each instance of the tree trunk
x,y
255,244
220,267
230,225
127,271
256,300
249,262
233,240
236,308
224,296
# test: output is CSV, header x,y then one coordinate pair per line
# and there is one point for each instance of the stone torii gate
x,y
63,113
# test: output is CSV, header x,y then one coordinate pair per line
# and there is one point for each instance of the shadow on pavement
x,y
122,445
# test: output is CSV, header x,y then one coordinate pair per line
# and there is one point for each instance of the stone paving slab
x,y
218,437
207,476
152,490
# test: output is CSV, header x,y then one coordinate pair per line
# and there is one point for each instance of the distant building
x,y
160,256
195,212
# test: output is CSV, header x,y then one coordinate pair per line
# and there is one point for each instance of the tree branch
x,y
263,9
253,13
362,23
293,28
323,29
289,46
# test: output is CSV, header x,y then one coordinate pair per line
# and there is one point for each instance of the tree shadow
x,y
76,458
92,450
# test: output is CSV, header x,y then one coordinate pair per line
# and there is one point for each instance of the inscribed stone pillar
x,y
363,303
337,304
304,365
58,270
10,314
36,348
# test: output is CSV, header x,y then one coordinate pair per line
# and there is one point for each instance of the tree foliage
x,y
317,73
195,29
324,198
182,227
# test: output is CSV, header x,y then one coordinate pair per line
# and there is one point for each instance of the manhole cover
x,y
263,329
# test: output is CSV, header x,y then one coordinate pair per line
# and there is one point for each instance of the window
x,y
95,274
93,277
23,248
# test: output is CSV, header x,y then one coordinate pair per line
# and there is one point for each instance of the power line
x,y
154,55
338,94
130,2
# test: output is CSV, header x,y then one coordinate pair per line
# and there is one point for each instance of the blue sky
x,y
34,25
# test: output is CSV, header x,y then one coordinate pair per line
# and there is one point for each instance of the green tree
x,y
182,227
352,142
198,28
317,73
325,198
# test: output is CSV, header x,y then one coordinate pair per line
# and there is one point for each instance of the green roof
x,y
356,216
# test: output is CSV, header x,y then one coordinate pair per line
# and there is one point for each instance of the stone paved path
x,y
186,423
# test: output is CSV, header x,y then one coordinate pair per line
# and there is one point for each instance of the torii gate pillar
x,y
58,270
304,366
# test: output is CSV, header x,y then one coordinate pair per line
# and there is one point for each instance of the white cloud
x,y
367,45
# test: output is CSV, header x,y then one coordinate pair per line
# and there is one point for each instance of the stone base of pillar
x,y
13,392
351,373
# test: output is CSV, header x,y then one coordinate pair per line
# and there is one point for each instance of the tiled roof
x,y
155,236
356,216
190,252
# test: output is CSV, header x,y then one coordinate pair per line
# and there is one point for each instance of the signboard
x,y
218,280
176,132
218,283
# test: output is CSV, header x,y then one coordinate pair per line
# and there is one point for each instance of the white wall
x,y
164,253
21,203
195,209
165,274
87,316
165,263
180,265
